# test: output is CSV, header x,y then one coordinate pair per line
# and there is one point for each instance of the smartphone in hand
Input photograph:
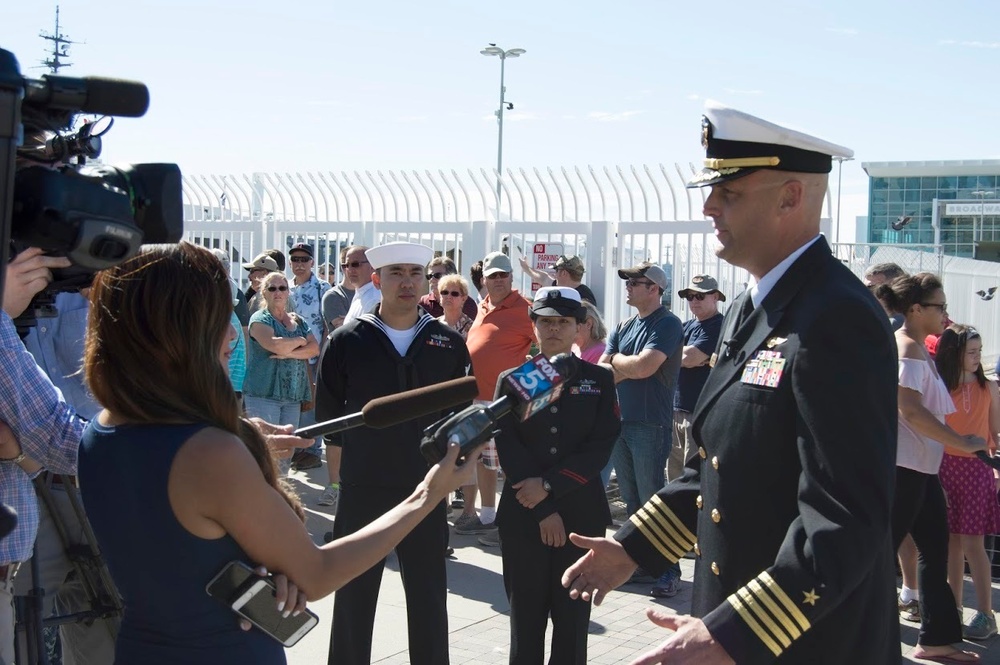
x,y
257,604
246,593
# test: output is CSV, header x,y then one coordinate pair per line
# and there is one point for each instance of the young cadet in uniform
x,y
553,463
790,496
394,348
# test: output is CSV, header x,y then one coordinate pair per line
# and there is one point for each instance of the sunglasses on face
x,y
694,296
943,306
453,294
353,264
272,289
300,259
638,282
436,275
498,275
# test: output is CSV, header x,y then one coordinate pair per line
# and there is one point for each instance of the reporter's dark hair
x,y
902,293
950,355
155,328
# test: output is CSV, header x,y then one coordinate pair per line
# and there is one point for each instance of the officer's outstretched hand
x,y
691,643
553,530
605,567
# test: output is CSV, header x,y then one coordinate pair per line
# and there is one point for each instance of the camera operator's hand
x,y
291,600
28,274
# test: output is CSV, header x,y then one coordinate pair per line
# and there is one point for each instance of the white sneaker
x,y
329,497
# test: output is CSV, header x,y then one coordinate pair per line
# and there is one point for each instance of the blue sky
x,y
300,85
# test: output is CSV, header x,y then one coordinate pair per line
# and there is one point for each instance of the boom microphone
x,y
90,94
527,390
390,410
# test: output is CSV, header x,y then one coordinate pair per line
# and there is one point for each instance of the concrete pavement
x,y
478,610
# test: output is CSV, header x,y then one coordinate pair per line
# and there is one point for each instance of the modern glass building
x,y
954,204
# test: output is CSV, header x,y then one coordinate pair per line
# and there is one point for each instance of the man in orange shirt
x,y
499,339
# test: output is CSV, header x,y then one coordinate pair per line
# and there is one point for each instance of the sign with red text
x,y
543,257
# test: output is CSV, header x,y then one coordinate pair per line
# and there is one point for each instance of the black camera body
x,y
95,215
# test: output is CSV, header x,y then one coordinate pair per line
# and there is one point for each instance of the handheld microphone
x,y
90,94
525,391
993,462
390,410
8,519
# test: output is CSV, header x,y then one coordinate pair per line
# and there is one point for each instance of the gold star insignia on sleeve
x,y
810,597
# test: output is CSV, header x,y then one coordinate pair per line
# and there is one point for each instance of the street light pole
x,y
982,194
494,50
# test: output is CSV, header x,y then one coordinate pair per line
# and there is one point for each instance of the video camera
x,y
97,216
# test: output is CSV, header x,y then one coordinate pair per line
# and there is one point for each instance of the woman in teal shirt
x,y
277,382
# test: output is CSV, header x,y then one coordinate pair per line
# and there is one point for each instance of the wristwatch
x,y
14,460
546,486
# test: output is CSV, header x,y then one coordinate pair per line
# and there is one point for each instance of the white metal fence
x,y
610,217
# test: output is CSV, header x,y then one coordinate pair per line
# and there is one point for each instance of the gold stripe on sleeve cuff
x,y
769,612
688,538
790,607
757,629
654,533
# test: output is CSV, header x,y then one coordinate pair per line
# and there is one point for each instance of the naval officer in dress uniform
x,y
392,348
787,505
553,463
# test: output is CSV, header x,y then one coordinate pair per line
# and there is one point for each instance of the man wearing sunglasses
x,y
431,301
359,276
644,353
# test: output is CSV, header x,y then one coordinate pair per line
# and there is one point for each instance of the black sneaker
x,y
304,459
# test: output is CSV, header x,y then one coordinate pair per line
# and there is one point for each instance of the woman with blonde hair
x,y
453,293
277,381
177,485
592,335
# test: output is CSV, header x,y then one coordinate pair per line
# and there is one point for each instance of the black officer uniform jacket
x,y
566,444
358,364
791,495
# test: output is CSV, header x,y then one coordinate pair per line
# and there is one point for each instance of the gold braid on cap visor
x,y
741,162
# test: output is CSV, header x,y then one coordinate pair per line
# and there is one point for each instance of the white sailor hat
x,y
737,144
396,253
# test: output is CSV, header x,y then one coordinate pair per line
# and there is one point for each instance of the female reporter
x,y
553,463
177,485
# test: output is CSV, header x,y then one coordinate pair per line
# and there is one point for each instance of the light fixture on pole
x,y
840,171
494,50
982,194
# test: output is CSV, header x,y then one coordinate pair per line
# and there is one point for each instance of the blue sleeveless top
x,y
161,569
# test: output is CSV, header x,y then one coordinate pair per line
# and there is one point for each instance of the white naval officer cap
x,y
396,253
737,144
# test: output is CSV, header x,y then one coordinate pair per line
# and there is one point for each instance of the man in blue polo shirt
x,y
644,353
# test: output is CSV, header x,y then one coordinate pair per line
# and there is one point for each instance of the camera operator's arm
x,y
10,451
27,275
47,428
